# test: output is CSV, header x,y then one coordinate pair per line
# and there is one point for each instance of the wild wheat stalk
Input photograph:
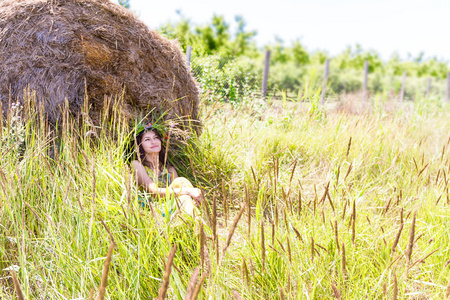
x,y
19,293
411,239
297,233
336,293
289,248
107,230
348,147
322,200
343,260
236,295
425,257
91,294
348,171
395,292
299,202
104,282
166,279
33,211
336,235
281,294
251,267
447,293
191,285
232,229
387,206
331,202
397,238
198,287
276,215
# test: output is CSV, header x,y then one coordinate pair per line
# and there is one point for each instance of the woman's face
x,y
151,143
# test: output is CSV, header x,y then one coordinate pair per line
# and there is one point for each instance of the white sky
x,y
387,26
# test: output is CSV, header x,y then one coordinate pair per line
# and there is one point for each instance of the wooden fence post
x,y
366,73
402,91
188,55
325,78
448,87
265,75
428,87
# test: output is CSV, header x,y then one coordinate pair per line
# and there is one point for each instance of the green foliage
x,y
60,212
231,79
290,62
354,59
125,3
212,38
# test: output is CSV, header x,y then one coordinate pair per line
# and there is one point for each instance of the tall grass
x,y
332,198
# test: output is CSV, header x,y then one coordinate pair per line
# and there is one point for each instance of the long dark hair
x,y
140,155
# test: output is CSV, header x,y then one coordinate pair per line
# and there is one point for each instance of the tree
x,y
299,53
125,3
213,37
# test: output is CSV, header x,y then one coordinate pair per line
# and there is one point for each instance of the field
x,y
333,203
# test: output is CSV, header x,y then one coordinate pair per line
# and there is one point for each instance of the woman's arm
x,y
144,180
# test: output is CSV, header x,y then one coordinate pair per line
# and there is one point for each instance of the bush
x,y
231,79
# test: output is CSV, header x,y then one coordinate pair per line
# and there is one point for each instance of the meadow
x,y
303,202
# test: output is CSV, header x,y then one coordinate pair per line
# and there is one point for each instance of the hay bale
x,y
62,48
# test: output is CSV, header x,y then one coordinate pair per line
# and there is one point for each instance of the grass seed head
x,y
192,284
411,238
343,260
236,295
397,238
233,228
395,291
19,292
282,297
168,270
104,282
198,287
336,293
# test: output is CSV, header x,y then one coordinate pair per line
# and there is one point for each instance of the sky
x,y
386,26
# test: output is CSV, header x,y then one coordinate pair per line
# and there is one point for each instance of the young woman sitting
x,y
160,181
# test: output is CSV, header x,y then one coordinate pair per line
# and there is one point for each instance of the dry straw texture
x,y
60,49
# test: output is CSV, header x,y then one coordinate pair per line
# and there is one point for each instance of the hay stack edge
x,y
61,49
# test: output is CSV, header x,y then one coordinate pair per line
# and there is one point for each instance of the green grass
x,y
53,203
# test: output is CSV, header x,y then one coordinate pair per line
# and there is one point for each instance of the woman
x,y
158,180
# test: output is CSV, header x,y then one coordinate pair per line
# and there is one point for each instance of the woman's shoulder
x,y
136,164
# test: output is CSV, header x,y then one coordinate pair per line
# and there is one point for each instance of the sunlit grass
x,y
317,181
